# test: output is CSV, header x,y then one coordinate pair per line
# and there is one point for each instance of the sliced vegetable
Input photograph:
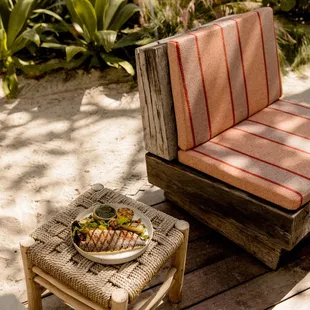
x,y
134,227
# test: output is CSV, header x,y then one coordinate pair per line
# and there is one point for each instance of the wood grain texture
x,y
75,303
65,288
211,246
261,228
269,253
33,289
301,224
178,261
156,101
265,291
197,229
211,280
211,249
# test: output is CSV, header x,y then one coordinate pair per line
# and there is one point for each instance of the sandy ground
x,y
62,134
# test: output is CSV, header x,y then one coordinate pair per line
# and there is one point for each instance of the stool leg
x,y
119,299
33,289
178,261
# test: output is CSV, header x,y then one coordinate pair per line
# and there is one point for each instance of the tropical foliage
x,y
299,7
168,17
97,33
14,36
41,35
38,36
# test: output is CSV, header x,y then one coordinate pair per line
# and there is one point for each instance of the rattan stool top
x,y
54,253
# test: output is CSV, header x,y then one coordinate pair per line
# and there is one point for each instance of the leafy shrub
x,y
294,19
168,17
14,36
37,36
97,32
295,7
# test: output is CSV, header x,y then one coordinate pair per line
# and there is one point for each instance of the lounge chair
x,y
221,142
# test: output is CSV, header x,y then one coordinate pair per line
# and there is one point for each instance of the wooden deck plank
x,y
211,280
197,229
266,290
211,250
298,302
52,302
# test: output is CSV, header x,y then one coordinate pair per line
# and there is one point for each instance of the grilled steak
x,y
110,241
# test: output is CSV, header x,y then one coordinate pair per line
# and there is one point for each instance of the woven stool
x,y
51,262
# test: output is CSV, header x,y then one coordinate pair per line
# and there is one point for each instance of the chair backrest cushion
x,y
223,73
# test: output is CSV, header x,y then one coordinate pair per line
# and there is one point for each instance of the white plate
x,y
121,257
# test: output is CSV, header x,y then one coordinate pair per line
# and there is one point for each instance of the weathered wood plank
x,y
211,280
221,198
158,118
269,253
301,226
265,291
211,249
262,228
197,229
52,302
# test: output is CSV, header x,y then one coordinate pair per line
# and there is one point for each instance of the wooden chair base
x,y
37,280
261,228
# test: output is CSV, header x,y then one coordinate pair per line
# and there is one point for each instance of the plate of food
x,y
111,233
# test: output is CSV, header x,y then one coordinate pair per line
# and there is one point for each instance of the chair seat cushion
x,y
267,155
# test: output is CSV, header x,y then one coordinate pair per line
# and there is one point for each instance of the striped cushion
x,y
222,74
267,155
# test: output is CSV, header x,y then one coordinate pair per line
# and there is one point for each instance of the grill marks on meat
x,y
110,241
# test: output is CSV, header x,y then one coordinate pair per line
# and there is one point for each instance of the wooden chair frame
x,y
260,227
37,281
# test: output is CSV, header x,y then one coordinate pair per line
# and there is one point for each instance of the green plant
x,y
297,54
97,32
293,6
14,36
168,17
293,17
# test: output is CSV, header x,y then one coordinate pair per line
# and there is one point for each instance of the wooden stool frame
x,y
37,281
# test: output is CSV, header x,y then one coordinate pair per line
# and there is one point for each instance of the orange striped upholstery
x,y
222,74
267,155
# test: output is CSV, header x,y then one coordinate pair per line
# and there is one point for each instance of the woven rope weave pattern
x,y
54,253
